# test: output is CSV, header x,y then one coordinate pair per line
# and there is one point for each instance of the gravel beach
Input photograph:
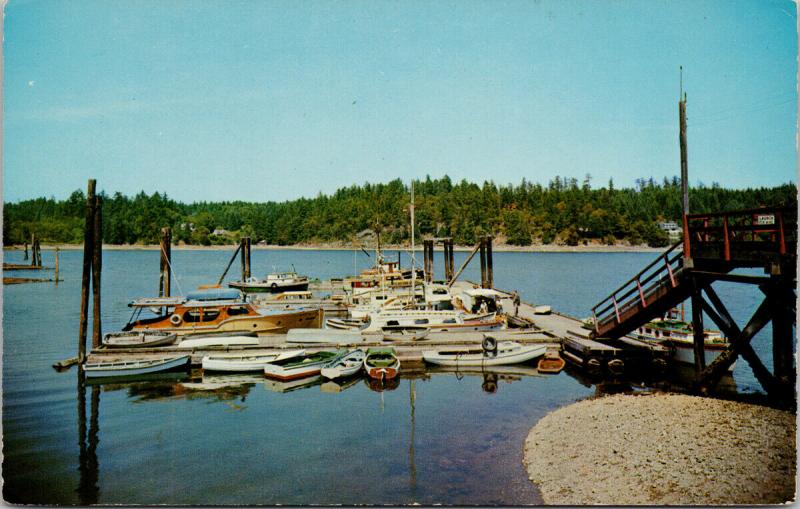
x,y
661,449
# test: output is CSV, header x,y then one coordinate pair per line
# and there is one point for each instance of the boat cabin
x,y
480,300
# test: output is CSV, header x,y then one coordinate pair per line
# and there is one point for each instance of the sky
x,y
273,100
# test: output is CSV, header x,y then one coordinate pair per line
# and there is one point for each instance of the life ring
x,y
489,345
274,285
175,319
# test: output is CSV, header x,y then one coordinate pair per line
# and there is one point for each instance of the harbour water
x,y
451,438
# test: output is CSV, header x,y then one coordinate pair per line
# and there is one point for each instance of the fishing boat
x,y
139,339
672,331
134,367
243,363
324,336
273,283
405,332
345,366
213,311
507,352
381,363
551,362
302,366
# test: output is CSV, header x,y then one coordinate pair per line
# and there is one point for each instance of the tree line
x,y
564,212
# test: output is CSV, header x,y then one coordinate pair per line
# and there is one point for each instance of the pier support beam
x,y
697,324
244,244
26,251
88,249
489,264
97,267
166,262
449,262
482,242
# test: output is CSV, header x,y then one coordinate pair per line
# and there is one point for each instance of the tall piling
x,y
482,242
489,265
244,245
88,249
57,252
165,266
26,251
97,266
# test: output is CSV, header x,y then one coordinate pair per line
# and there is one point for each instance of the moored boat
x,y
551,362
342,367
301,366
273,283
508,352
404,332
381,363
138,339
134,367
217,340
243,362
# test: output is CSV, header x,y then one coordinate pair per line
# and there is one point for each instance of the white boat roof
x,y
150,302
482,292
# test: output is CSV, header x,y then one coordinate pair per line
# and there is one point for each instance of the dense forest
x,y
565,212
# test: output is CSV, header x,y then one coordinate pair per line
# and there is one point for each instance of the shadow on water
x,y
88,489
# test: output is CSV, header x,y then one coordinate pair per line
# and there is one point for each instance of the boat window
x,y
192,316
449,320
237,310
210,315
421,321
392,322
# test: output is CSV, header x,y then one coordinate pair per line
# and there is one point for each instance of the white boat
x,y
134,367
345,366
243,362
189,343
349,324
301,366
436,321
327,336
275,282
508,352
405,333
138,339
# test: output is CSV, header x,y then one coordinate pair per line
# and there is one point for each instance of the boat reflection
x,y
88,466
378,385
292,385
339,385
491,375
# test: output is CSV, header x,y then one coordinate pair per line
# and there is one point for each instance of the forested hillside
x,y
565,211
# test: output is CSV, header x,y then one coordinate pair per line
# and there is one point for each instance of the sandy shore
x,y
544,248
663,449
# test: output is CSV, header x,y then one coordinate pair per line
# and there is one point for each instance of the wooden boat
x,y
217,310
508,352
342,367
381,363
273,283
139,339
551,362
324,336
404,332
301,366
242,363
344,324
134,367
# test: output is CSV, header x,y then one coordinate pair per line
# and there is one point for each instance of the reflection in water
x,y
412,396
378,385
340,385
292,385
88,466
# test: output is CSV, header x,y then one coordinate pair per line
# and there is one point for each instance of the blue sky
x,y
273,100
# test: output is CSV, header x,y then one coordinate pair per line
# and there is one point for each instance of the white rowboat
x,y
132,368
345,366
508,352
138,339
301,366
202,342
243,363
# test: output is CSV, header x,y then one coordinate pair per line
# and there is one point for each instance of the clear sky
x,y
273,100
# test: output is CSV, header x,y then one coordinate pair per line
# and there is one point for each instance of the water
x,y
437,438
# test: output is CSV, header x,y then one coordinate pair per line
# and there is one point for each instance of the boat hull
x,y
268,287
479,358
138,339
134,368
244,363
275,323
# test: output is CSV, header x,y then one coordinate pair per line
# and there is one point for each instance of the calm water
x,y
434,438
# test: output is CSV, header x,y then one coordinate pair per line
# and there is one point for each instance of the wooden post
x,y
428,246
699,337
247,258
165,267
97,266
33,250
241,259
782,322
88,249
684,155
483,261
489,264
26,251
56,265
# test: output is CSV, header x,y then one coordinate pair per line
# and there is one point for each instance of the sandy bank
x,y
544,248
663,449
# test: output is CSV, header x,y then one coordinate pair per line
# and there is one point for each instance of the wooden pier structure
x,y
713,247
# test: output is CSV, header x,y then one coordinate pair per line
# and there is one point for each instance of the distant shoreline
x,y
505,248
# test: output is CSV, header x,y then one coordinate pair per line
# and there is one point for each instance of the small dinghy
x,y
345,366
243,363
404,332
344,324
551,362
135,367
491,354
381,363
206,340
301,366
138,339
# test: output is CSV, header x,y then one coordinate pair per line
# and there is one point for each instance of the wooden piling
x,y
483,261
699,337
26,251
88,249
97,266
57,251
684,155
244,258
165,266
489,265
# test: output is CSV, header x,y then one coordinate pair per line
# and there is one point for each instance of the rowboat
x,y
508,352
242,363
551,362
138,339
345,366
301,366
348,324
134,367
204,341
381,363
404,332
328,336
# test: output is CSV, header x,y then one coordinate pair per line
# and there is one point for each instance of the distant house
x,y
672,228
189,226
219,231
